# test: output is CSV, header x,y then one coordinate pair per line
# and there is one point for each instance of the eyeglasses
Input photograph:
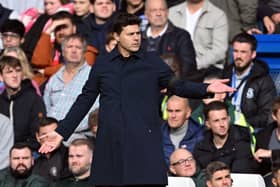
x,y
183,161
11,35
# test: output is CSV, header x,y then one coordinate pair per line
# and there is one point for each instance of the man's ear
x,y
207,124
208,183
172,170
274,182
37,137
116,37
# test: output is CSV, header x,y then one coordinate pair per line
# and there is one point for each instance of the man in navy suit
x,y
129,146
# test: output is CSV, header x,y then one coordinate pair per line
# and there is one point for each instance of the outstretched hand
x,y
219,86
52,142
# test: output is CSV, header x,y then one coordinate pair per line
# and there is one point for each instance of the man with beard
x,y
255,88
224,142
79,161
20,171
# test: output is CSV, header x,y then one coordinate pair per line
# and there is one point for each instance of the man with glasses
x,y
183,164
12,33
218,175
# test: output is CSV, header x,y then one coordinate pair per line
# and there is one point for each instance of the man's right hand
x,y
52,142
54,25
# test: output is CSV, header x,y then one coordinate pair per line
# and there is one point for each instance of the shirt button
x,y
150,131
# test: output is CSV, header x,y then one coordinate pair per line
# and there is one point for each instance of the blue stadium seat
x,y
268,50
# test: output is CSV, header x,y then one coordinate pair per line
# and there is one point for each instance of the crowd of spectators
x,y
49,47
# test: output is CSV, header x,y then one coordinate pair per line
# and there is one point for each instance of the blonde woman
x,y
26,68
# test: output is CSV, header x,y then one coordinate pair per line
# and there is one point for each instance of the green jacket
x,y
7,180
199,178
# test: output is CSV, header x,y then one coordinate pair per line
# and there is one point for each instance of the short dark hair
x,y
63,15
246,38
82,141
213,167
20,145
123,20
215,105
14,26
46,121
9,61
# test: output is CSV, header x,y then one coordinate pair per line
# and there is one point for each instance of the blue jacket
x,y
193,135
129,142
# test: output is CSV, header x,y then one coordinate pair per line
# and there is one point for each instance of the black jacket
x,y
26,106
128,144
236,152
176,41
263,138
258,94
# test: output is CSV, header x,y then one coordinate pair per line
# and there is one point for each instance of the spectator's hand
x,y
262,153
53,141
269,25
219,86
254,31
276,18
54,25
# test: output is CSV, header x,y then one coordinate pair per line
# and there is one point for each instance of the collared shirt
x,y
59,97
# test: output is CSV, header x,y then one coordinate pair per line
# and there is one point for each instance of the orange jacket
x,y
43,57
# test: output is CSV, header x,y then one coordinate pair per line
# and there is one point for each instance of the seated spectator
x,y
167,39
268,145
20,102
101,21
20,171
255,88
47,57
65,86
7,140
12,33
180,130
35,22
52,166
26,68
224,142
183,164
79,161
208,27
236,117
137,8
218,174
82,17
